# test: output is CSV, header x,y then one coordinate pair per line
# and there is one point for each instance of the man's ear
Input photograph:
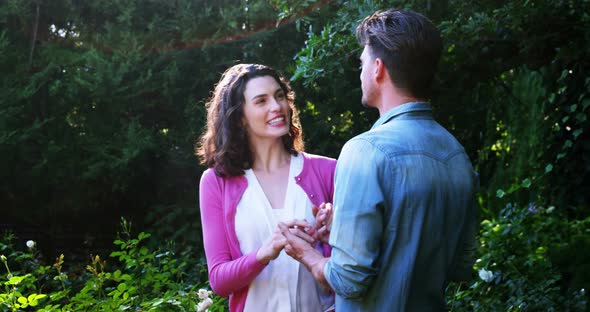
x,y
379,69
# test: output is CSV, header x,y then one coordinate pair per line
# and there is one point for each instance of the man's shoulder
x,y
365,146
362,137
411,137
382,139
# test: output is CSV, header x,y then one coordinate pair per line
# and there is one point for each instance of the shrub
x,y
519,263
140,279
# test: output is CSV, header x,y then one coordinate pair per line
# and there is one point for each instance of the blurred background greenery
x,y
102,102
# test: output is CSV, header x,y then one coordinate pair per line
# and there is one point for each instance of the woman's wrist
x,y
261,257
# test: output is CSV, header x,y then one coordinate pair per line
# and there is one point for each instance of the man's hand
x,y
301,250
271,249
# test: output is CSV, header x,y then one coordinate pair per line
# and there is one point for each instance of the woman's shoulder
x,y
319,159
318,162
210,177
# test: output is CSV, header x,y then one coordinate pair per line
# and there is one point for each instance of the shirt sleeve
x,y
226,275
465,256
358,219
330,169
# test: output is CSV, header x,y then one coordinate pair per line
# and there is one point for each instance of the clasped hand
x,y
297,247
271,249
323,222
298,236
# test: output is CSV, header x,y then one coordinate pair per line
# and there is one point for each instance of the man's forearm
x,y
303,252
315,263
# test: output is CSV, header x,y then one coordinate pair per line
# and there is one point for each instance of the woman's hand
x,y
323,222
271,249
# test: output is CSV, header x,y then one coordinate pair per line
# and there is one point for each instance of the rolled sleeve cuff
x,y
327,276
341,288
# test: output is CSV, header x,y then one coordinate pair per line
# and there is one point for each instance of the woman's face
x,y
266,110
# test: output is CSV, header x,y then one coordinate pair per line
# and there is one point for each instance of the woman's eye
x,y
280,96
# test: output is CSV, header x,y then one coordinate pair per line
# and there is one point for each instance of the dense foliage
x,y
101,103
136,277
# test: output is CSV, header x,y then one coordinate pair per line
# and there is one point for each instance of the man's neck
x,y
391,97
393,101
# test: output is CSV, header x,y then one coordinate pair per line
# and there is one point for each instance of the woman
x,y
259,176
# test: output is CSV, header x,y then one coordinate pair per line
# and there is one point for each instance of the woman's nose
x,y
275,105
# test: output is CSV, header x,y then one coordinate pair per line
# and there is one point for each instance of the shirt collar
x,y
402,109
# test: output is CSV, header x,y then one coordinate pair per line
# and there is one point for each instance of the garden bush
x,y
135,277
519,265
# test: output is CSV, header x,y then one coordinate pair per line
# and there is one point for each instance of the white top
x,y
284,284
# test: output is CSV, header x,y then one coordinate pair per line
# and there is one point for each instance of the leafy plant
x,y
518,263
140,278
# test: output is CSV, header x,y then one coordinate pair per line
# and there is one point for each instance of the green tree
x,y
102,102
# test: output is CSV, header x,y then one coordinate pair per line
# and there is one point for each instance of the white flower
x,y
203,294
30,244
486,275
202,306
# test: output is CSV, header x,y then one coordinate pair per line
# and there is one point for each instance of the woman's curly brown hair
x,y
224,146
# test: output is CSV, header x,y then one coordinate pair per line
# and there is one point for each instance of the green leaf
x,y
15,280
526,183
157,302
548,168
37,296
144,235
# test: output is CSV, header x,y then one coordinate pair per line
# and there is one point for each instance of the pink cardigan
x,y
230,272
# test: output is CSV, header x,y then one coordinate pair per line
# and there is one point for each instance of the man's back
x,y
405,197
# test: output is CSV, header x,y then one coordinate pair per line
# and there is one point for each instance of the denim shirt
x,y
404,215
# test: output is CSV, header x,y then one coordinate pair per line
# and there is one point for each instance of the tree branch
x,y
35,30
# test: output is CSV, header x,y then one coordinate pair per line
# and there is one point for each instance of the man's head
x,y
409,47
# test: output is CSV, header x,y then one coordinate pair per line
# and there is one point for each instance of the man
x,y
404,203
